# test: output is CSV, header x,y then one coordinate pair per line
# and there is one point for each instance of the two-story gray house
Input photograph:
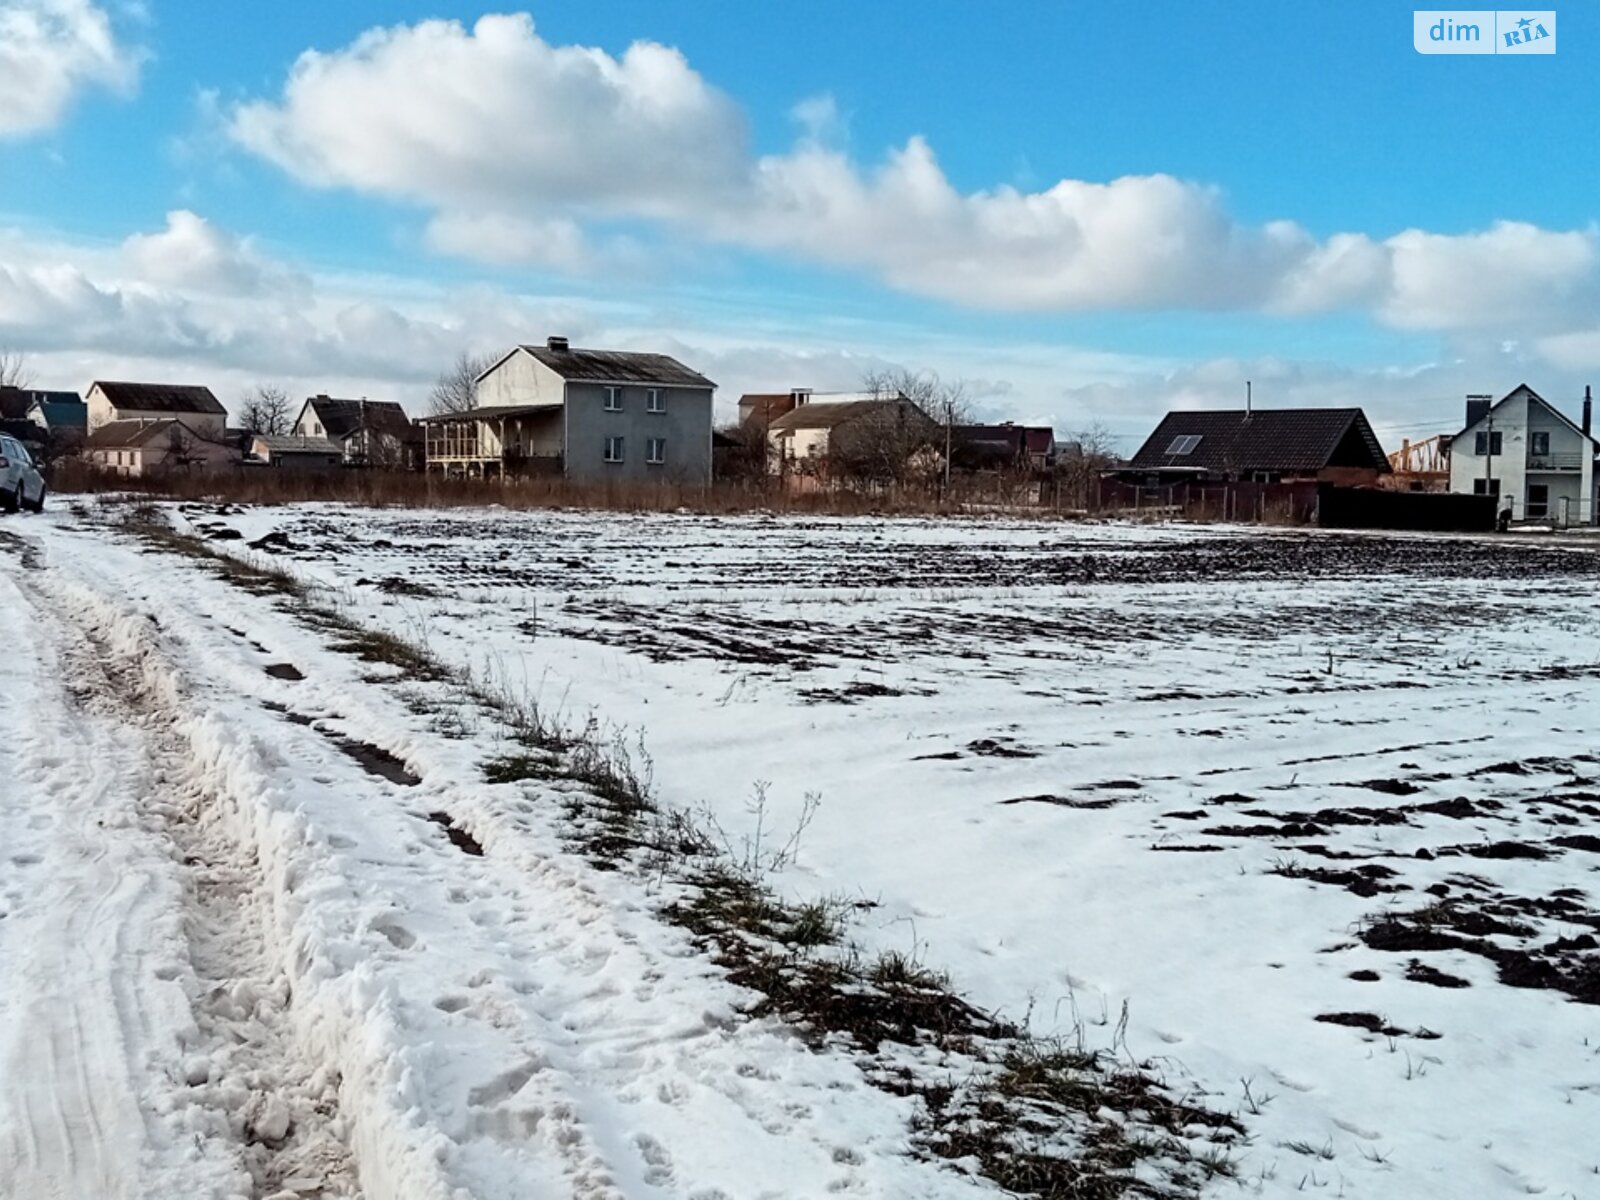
x,y
587,414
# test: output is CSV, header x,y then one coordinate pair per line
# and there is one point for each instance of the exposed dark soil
x,y
1066,801
1567,965
1000,748
1369,880
459,838
1373,1023
1420,972
852,693
285,671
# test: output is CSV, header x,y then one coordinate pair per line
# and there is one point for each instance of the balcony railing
x,y
1555,462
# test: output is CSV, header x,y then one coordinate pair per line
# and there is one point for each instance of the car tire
x,y
11,501
38,504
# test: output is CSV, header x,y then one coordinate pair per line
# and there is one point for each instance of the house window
x,y
1184,444
613,449
1538,499
1487,443
1485,487
1539,443
655,451
613,399
655,401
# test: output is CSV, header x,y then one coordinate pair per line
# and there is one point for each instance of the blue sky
x,y
790,195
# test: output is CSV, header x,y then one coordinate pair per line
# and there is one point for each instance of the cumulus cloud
x,y
193,253
496,119
517,146
1512,275
50,51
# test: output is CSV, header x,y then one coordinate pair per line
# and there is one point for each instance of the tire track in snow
x,y
88,1086
278,1106
83,880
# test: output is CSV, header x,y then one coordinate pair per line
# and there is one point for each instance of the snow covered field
x,y
1308,820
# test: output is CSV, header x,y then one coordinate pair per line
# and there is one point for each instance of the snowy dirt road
x,y
267,935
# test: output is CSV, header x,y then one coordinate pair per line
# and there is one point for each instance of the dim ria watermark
x,y
1484,31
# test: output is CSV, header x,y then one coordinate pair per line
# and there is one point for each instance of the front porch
x,y
487,443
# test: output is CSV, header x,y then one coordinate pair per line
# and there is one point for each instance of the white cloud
x,y
50,50
1510,276
497,119
193,253
517,146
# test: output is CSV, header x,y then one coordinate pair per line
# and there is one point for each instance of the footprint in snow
x,y
1355,1130
398,935
658,1162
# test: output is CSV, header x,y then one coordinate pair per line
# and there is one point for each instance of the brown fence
x,y
1310,503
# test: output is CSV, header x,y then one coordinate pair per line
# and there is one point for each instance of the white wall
x,y
520,379
1516,419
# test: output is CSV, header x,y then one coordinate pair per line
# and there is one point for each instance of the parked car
x,y
21,485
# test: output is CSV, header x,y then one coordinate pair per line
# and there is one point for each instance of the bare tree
x,y
183,450
265,409
945,403
14,371
749,456
1080,461
457,389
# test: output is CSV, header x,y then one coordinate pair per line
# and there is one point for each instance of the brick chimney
x,y
558,344
1588,407
1477,409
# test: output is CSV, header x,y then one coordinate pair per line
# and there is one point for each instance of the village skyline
x,y
203,207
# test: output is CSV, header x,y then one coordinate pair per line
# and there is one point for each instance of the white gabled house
x,y
1527,452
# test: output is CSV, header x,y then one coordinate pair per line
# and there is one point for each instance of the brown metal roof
x,y
129,435
1266,439
823,415
618,366
161,397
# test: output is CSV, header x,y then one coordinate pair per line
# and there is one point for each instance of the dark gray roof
x,y
341,418
59,407
288,443
161,397
618,366
1267,439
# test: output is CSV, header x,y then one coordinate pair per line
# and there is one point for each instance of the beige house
x,y
200,411
294,453
136,448
849,433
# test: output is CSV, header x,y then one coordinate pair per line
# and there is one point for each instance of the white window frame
x,y
614,449
613,399
655,400
655,451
